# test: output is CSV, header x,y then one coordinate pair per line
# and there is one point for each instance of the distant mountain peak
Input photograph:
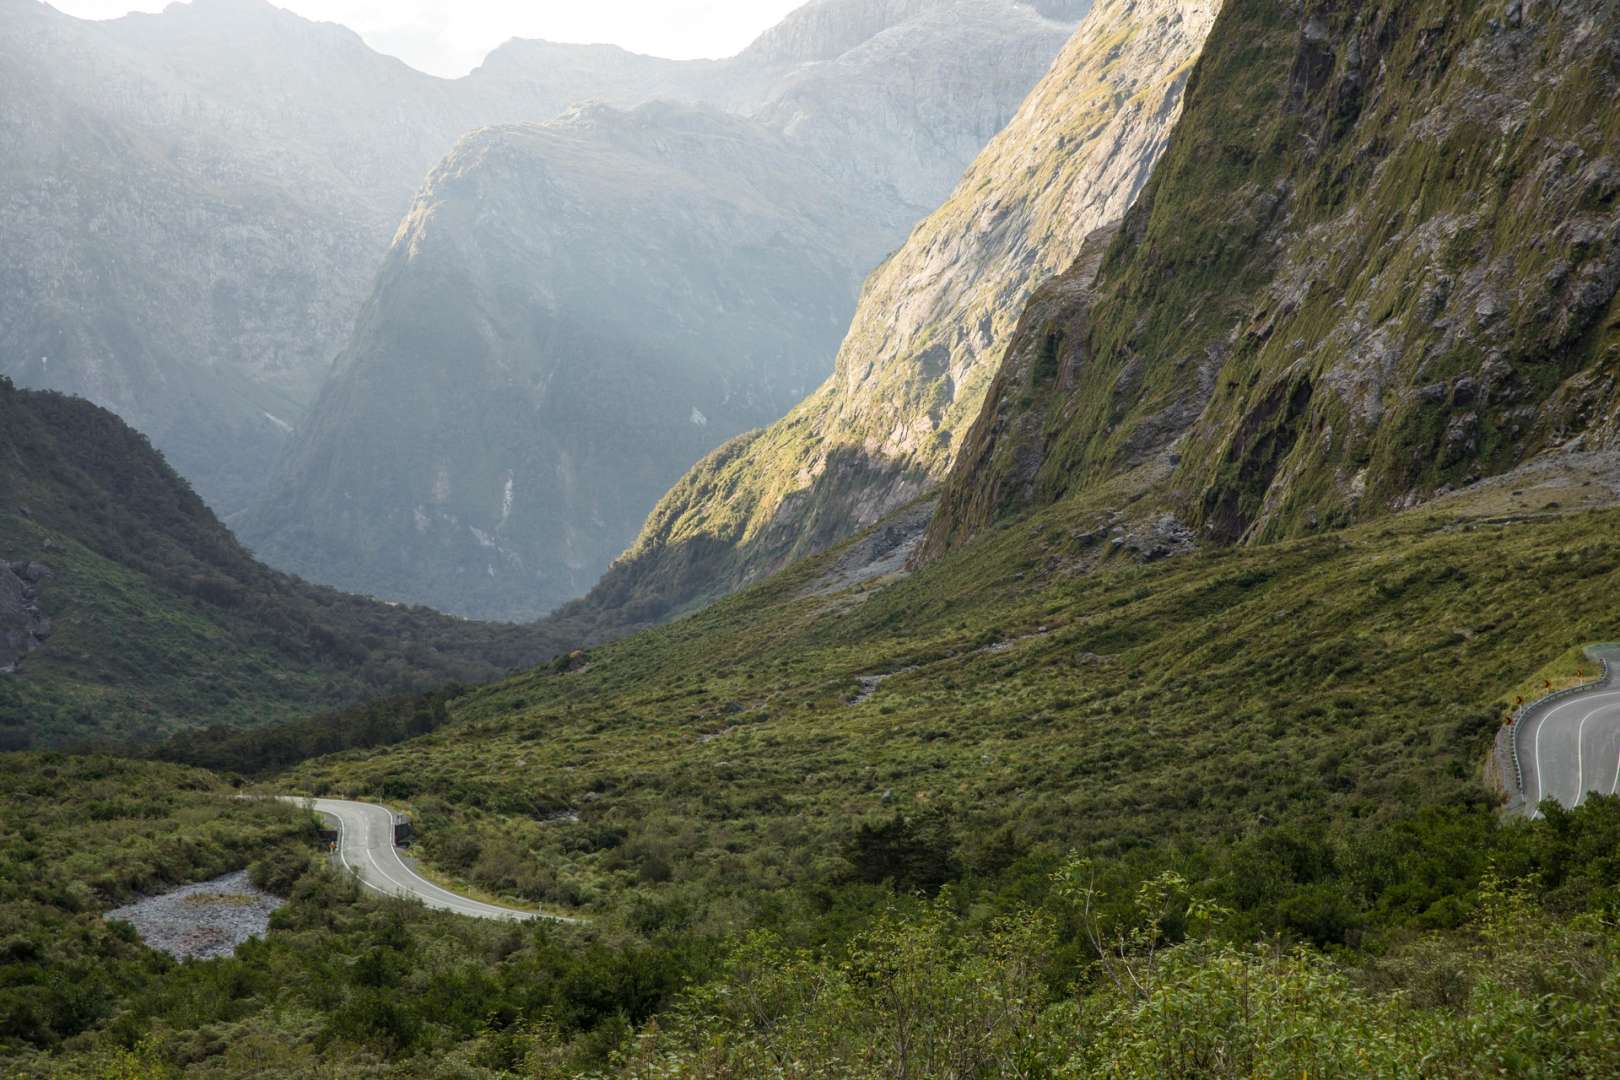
x,y
827,29
214,9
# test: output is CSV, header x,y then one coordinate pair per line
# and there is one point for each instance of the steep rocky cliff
x,y
189,227
576,312
1380,259
880,106
932,321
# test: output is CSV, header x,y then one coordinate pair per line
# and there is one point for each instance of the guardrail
x,y
1547,699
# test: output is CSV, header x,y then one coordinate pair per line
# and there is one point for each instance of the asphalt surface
x,y
1570,748
366,848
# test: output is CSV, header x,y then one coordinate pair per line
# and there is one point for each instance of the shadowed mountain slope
x,y
157,620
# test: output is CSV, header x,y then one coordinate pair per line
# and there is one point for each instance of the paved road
x,y
366,847
1570,748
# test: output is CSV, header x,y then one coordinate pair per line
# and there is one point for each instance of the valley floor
x,y
1043,808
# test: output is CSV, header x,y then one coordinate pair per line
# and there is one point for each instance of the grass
x,y
1573,668
220,900
473,892
1039,699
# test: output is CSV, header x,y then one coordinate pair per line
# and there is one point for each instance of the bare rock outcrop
x,y
24,627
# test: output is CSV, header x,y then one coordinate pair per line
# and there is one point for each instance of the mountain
x,y
901,96
930,327
1059,710
128,611
574,312
1380,261
571,312
193,226
1058,799
199,200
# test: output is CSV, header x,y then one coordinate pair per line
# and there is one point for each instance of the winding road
x,y
366,847
1570,747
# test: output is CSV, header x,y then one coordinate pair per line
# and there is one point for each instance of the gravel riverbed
x,y
202,921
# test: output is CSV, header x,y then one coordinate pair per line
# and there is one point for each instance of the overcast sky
x,y
451,37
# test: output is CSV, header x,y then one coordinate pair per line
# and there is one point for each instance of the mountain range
x,y
203,230
1136,685
574,312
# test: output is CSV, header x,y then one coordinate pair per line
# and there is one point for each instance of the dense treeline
x,y
258,751
1147,963
163,620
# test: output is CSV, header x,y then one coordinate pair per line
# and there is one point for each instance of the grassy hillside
x,y
79,835
1043,689
343,983
161,621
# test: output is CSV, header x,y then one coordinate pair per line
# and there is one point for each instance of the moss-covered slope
x,y
1379,259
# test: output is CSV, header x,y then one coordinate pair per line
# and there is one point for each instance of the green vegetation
x,y
1220,813
1573,668
932,995
1035,700
1343,288
1076,967
343,982
78,835
262,750
161,621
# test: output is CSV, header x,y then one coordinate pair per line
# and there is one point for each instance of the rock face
x,y
192,227
931,324
571,313
23,626
899,96
1380,259
574,312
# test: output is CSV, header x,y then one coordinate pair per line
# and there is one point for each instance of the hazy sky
x,y
450,37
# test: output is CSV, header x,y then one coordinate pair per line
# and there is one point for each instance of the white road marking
x,y
1580,756
344,859
1541,726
